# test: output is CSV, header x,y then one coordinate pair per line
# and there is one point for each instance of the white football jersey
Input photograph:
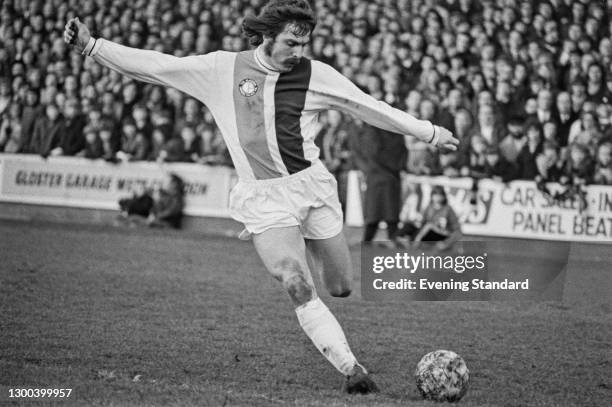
x,y
267,118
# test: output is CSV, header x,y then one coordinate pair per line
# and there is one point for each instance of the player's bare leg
x,y
331,258
283,252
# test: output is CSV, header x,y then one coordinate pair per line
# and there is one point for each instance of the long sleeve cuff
x,y
89,46
435,138
92,47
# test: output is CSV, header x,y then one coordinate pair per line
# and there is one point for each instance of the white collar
x,y
261,61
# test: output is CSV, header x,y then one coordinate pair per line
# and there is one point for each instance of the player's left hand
x,y
76,33
446,139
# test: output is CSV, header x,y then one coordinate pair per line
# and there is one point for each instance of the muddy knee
x,y
293,277
299,289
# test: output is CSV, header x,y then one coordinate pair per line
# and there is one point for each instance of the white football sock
x,y
326,333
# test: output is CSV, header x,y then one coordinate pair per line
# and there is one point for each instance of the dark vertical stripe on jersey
x,y
289,99
250,117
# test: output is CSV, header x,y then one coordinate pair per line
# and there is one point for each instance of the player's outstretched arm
x,y
335,91
193,75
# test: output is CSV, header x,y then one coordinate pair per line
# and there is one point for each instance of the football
x,y
442,375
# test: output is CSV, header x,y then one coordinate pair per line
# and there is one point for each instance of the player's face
x,y
287,49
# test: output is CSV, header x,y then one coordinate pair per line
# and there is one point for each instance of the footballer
x,y
266,102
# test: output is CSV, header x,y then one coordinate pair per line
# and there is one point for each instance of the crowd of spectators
x,y
525,85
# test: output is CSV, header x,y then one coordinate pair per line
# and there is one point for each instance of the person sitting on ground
x,y
137,208
439,223
168,203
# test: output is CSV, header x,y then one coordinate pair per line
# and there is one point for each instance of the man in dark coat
x,y
380,155
565,117
72,139
31,113
47,131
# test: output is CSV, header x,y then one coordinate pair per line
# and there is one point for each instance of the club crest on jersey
x,y
248,87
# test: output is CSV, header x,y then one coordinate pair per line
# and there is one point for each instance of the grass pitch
x,y
141,317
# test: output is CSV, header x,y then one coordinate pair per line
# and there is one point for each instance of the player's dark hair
x,y
274,17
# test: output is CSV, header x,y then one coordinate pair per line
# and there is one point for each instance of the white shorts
x,y
308,199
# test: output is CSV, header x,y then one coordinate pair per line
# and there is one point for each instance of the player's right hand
x,y
447,141
77,34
